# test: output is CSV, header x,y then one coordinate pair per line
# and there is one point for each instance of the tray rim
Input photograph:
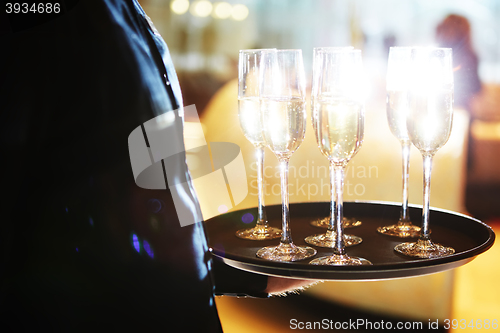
x,y
334,275
361,273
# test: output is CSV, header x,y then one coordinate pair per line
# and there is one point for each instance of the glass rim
x,y
333,48
284,50
404,47
439,52
255,50
338,50
417,48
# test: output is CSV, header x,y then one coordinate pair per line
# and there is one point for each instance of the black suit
x,y
83,247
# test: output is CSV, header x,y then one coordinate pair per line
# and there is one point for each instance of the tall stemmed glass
x,y
250,121
338,114
325,221
327,119
283,101
398,80
429,125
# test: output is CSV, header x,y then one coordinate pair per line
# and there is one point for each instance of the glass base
x,y
407,230
328,240
425,249
286,252
347,222
340,260
259,233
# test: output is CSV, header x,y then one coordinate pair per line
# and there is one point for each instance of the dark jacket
x,y
82,246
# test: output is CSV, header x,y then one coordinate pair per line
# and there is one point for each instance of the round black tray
x,y
468,236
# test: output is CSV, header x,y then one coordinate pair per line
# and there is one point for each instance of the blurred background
x,y
204,38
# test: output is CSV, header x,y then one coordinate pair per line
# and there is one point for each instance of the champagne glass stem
x,y
286,251
332,198
405,217
404,228
425,232
424,247
328,239
339,210
262,218
286,236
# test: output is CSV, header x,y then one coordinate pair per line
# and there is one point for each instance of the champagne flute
x,y
338,116
429,125
398,77
283,101
325,221
250,121
325,117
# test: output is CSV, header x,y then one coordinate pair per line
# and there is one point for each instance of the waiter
x,y
83,247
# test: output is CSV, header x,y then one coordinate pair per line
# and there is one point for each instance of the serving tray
x,y
468,236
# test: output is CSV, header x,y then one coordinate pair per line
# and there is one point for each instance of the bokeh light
x,y
154,205
247,218
148,249
179,7
222,10
201,8
239,12
222,209
136,243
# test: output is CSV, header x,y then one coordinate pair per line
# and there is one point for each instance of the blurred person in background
x,y
454,32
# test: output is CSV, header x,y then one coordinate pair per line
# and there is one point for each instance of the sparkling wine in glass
x,y
429,124
324,222
338,121
249,112
398,80
283,127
